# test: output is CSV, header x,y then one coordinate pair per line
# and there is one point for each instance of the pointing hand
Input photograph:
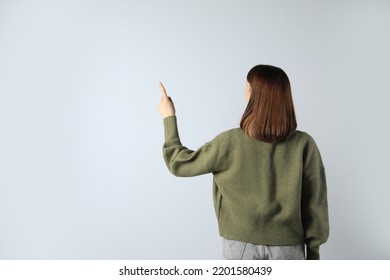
x,y
165,107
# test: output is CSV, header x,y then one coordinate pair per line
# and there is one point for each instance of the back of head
x,y
269,115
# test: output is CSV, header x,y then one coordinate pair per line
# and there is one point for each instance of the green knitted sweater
x,y
269,194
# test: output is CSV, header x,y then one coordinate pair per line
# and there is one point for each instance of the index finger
x,y
164,92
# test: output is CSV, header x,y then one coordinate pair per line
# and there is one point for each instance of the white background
x,y
81,168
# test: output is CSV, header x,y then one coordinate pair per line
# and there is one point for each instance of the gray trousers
x,y
238,250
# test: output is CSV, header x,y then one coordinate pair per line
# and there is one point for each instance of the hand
x,y
166,107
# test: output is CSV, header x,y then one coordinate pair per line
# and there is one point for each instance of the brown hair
x,y
269,115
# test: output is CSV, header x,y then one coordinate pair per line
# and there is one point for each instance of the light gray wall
x,y
81,170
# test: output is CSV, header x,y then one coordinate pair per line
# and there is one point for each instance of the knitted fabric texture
x,y
264,193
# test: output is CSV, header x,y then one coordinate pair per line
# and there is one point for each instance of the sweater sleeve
x,y
314,203
182,161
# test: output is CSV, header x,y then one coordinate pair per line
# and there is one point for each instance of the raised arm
x,y
180,160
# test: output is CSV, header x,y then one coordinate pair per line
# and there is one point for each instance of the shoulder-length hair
x,y
269,115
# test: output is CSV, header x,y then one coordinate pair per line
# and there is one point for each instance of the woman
x,y
269,186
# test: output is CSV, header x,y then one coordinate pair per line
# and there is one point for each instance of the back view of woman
x,y
269,185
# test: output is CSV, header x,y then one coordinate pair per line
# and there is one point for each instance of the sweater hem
x,y
265,240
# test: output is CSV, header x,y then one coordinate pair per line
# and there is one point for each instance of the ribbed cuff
x,y
313,252
170,129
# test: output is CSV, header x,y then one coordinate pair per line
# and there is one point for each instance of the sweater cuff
x,y
170,129
313,252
